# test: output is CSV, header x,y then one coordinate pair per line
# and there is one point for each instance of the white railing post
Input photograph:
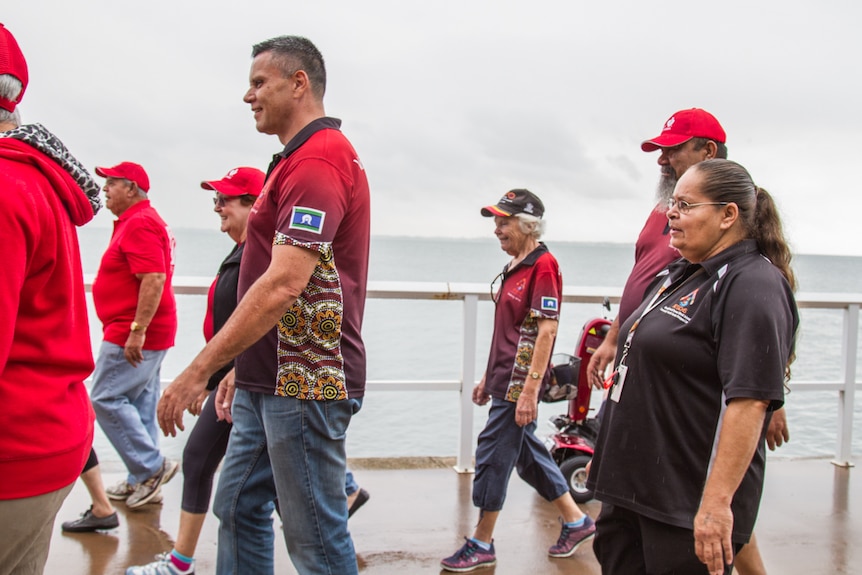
x,y
846,396
464,463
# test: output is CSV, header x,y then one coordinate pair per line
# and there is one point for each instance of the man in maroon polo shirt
x,y
296,333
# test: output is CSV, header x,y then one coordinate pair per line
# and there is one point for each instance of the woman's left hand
x,y
527,409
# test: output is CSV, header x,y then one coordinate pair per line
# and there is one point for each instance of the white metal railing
x,y
471,294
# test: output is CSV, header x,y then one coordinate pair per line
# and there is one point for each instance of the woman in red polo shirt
x,y
527,303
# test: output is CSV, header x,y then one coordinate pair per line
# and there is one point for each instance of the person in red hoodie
x,y
45,352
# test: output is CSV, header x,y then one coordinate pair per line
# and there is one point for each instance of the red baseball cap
x,y
238,182
129,171
12,62
685,125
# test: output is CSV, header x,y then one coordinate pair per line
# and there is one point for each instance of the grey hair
x,y
531,225
10,88
294,53
139,192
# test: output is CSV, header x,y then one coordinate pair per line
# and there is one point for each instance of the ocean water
x,y
413,340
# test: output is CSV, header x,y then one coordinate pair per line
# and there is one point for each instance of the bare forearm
x,y
613,331
713,525
740,432
149,297
542,352
259,311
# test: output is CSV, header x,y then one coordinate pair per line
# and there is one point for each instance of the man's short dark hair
x,y
295,53
720,149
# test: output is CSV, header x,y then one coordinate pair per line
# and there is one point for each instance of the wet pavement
x,y
810,522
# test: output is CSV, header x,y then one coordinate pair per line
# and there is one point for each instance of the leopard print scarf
x,y
40,138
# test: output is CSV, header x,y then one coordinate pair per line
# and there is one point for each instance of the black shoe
x,y
89,522
360,500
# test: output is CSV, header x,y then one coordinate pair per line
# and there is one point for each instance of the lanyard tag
x,y
617,389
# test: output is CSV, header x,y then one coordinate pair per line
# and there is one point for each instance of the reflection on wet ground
x,y
810,517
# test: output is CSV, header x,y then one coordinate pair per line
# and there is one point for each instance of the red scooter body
x,y
573,444
591,338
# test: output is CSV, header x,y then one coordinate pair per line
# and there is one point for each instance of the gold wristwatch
x,y
535,375
137,327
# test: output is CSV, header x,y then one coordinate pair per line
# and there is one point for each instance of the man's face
x,y
269,95
674,162
118,195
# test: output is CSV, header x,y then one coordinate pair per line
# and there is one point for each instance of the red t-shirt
x,y
141,243
652,254
531,291
316,197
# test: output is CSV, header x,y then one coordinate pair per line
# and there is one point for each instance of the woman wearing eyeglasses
x,y
235,195
527,303
700,365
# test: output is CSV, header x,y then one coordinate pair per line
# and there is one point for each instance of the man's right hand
x,y
777,433
599,361
177,397
133,351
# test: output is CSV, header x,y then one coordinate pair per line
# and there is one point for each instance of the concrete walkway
x,y
810,522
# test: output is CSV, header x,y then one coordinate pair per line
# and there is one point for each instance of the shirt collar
x,y
531,258
325,123
133,209
713,264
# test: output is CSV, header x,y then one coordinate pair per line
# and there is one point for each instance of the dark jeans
x,y
628,543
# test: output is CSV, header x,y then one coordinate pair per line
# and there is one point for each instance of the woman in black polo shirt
x,y
701,364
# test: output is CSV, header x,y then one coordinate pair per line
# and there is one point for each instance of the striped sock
x,y
181,561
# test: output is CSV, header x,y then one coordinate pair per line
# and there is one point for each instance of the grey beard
x,y
664,189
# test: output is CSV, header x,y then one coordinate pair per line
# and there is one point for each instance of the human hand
x,y
133,351
177,397
224,396
777,433
599,361
479,395
527,408
713,525
198,403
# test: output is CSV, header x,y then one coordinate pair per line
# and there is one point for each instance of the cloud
x,y
452,103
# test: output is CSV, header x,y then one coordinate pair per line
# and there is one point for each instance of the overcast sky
x,y
451,103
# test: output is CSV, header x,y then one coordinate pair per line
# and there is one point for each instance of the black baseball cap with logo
x,y
516,202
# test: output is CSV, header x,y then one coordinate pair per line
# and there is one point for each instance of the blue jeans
x,y
350,485
293,450
504,446
124,398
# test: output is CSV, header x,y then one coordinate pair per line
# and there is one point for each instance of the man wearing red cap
x,y
687,138
135,302
45,352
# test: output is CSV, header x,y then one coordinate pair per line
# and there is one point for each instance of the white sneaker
x,y
120,492
151,488
161,566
